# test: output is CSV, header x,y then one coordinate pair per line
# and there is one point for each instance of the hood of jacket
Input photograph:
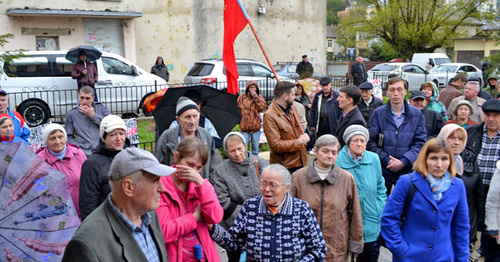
x,y
249,83
435,90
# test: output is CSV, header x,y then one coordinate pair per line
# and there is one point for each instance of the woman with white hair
x,y
65,157
367,171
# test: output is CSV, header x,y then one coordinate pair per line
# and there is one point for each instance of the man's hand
x,y
84,72
312,128
395,164
304,138
87,110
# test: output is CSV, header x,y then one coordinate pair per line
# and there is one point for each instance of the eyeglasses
x,y
273,186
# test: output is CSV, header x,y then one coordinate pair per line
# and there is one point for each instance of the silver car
x,y
442,74
414,74
213,72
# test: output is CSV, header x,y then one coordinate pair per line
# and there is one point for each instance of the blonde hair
x,y
433,146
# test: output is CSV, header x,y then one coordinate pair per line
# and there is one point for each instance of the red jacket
x,y
176,222
89,79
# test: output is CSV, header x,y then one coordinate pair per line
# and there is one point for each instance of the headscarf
x,y
445,133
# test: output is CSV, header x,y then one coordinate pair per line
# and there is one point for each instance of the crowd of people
x,y
419,176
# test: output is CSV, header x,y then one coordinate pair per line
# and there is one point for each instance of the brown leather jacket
x,y
337,208
250,107
283,134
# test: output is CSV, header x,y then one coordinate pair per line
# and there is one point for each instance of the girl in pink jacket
x,y
188,205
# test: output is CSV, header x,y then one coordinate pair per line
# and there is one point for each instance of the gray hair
x,y
86,90
280,170
476,84
325,140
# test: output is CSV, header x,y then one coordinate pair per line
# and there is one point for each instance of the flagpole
x,y
258,40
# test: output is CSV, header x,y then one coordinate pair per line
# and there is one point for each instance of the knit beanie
x,y
463,102
231,134
109,123
184,104
353,130
51,128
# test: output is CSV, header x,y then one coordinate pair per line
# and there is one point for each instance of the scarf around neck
x,y
438,186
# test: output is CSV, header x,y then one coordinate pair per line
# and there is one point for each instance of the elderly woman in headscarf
x,y
431,92
236,179
367,171
467,170
463,110
65,157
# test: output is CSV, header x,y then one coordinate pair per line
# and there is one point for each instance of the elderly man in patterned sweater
x,y
274,226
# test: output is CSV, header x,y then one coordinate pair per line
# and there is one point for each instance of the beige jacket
x,y
335,203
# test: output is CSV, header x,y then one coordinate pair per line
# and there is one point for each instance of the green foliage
x,y
7,56
380,52
332,7
412,26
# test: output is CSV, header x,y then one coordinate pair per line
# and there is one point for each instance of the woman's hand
x,y
189,174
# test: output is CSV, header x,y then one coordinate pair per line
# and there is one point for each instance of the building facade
x,y
182,32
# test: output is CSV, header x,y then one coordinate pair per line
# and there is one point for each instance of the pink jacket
x,y
70,165
176,222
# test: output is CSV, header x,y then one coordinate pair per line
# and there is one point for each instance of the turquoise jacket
x,y
371,189
435,105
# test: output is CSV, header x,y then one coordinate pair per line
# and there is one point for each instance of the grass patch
x,y
146,129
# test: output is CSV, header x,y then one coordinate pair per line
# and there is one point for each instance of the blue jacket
x,y
403,143
333,111
371,189
293,234
432,231
21,129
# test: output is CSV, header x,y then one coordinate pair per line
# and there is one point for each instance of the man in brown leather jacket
x,y
283,131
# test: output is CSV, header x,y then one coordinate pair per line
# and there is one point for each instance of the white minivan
x,y
434,59
40,85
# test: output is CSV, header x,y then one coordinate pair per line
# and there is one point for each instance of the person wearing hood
x,y
94,180
463,110
467,170
431,92
236,179
492,80
160,69
65,157
7,130
251,104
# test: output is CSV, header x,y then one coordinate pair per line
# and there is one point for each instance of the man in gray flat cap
x,y
125,227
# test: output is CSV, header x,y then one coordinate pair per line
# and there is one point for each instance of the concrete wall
x,y
186,31
486,45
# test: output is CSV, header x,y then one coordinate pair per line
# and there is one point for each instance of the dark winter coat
x,y
359,74
474,190
352,118
403,143
333,111
160,70
367,111
433,123
304,69
94,180
475,138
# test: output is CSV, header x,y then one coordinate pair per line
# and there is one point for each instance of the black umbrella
x,y
218,106
92,54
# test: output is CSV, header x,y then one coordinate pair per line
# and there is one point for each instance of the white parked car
x,y
213,72
414,74
442,74
40,85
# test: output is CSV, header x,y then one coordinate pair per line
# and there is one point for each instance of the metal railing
x,y
39,104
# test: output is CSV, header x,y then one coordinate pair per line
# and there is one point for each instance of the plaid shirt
x,y
488,156
292,234
141,234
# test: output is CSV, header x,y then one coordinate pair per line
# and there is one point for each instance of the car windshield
x,y
201,69
442,60
444,68
278,67
383,67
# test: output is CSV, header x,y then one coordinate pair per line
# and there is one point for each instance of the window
x,y
201,69
28,67
260,71
47,43
116,67
330,43
62,67
243,69
292,68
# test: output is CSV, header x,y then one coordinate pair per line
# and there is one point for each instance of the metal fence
x,y
39,104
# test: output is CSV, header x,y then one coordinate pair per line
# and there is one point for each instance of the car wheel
x,y
35,113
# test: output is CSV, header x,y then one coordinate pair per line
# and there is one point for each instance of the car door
x,y
263,76
415,75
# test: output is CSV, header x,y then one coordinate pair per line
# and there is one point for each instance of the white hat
x,y
110,123
51,128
